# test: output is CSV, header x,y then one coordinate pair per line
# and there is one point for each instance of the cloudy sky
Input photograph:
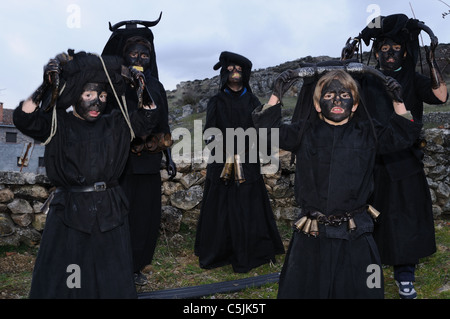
x,y
192,33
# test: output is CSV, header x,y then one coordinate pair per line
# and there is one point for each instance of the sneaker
x,y
406,290
140,279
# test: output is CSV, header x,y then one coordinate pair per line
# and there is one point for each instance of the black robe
x,y
87,229
141,181
236,224
405,232
334,176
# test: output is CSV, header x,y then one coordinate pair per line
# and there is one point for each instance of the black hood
x,y
119,37
227,58
397,27
86,68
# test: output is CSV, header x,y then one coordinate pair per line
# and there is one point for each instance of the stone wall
x,y
22,194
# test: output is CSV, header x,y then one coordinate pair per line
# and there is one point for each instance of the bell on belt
x,y
351,224
238,170
314,231
373,212
307,227
300,223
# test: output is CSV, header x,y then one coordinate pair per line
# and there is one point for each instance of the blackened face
x,y
138,55
336,102
92,102
235,73
390,55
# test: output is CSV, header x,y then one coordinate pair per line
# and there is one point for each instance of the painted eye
x,y
328,96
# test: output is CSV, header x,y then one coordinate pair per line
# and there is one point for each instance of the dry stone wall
x,y
23,194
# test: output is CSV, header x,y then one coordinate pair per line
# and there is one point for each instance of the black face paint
x,y
390,55
336,101
92,102
138,55
235,73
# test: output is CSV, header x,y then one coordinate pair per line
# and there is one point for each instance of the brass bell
x,y
373,212
314,231
300,223
226,172
238,170
307,227
351,224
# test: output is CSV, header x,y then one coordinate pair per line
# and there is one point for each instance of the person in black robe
x,y
236,224
85,249
142,179
332,253
405,232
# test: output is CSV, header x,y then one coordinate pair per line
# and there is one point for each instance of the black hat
x,y
86,68
397,27
226,58
119,37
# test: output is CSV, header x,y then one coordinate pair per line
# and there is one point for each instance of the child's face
x,y
390,55
336,102
92,102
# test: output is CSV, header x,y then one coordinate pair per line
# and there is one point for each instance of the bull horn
x,y
133,23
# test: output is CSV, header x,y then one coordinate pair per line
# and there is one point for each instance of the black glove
x,y
283,82
52,69
394,89
171,167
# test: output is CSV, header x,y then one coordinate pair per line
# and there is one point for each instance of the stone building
x,y
18,152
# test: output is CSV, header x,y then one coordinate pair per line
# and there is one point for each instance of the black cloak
x,y
405,232
141,180
86,229
334,176
236,224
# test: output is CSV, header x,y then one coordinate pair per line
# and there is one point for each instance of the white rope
x,y
122,109
54,126
54,120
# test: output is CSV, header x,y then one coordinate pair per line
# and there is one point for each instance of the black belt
x,y
97,187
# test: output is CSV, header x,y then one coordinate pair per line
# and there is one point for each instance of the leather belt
x,y
97,187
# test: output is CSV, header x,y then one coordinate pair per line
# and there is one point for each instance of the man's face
x,y
235,73
138,55
336,102
390,55
92,102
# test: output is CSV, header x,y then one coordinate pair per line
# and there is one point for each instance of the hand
x,y
171,169
284,82
349,49
429,52
137,76
394,89
51,69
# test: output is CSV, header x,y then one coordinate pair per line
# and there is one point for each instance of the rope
x,y
54,120
122,109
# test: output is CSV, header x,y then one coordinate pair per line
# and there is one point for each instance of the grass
x,y
176,266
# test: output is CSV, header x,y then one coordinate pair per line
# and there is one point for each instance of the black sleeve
x,y
399,134
271,119
211,115
36,125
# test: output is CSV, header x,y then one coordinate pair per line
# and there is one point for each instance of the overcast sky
x,y
192,33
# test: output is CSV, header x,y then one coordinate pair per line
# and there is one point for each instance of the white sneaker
x,y
406,290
